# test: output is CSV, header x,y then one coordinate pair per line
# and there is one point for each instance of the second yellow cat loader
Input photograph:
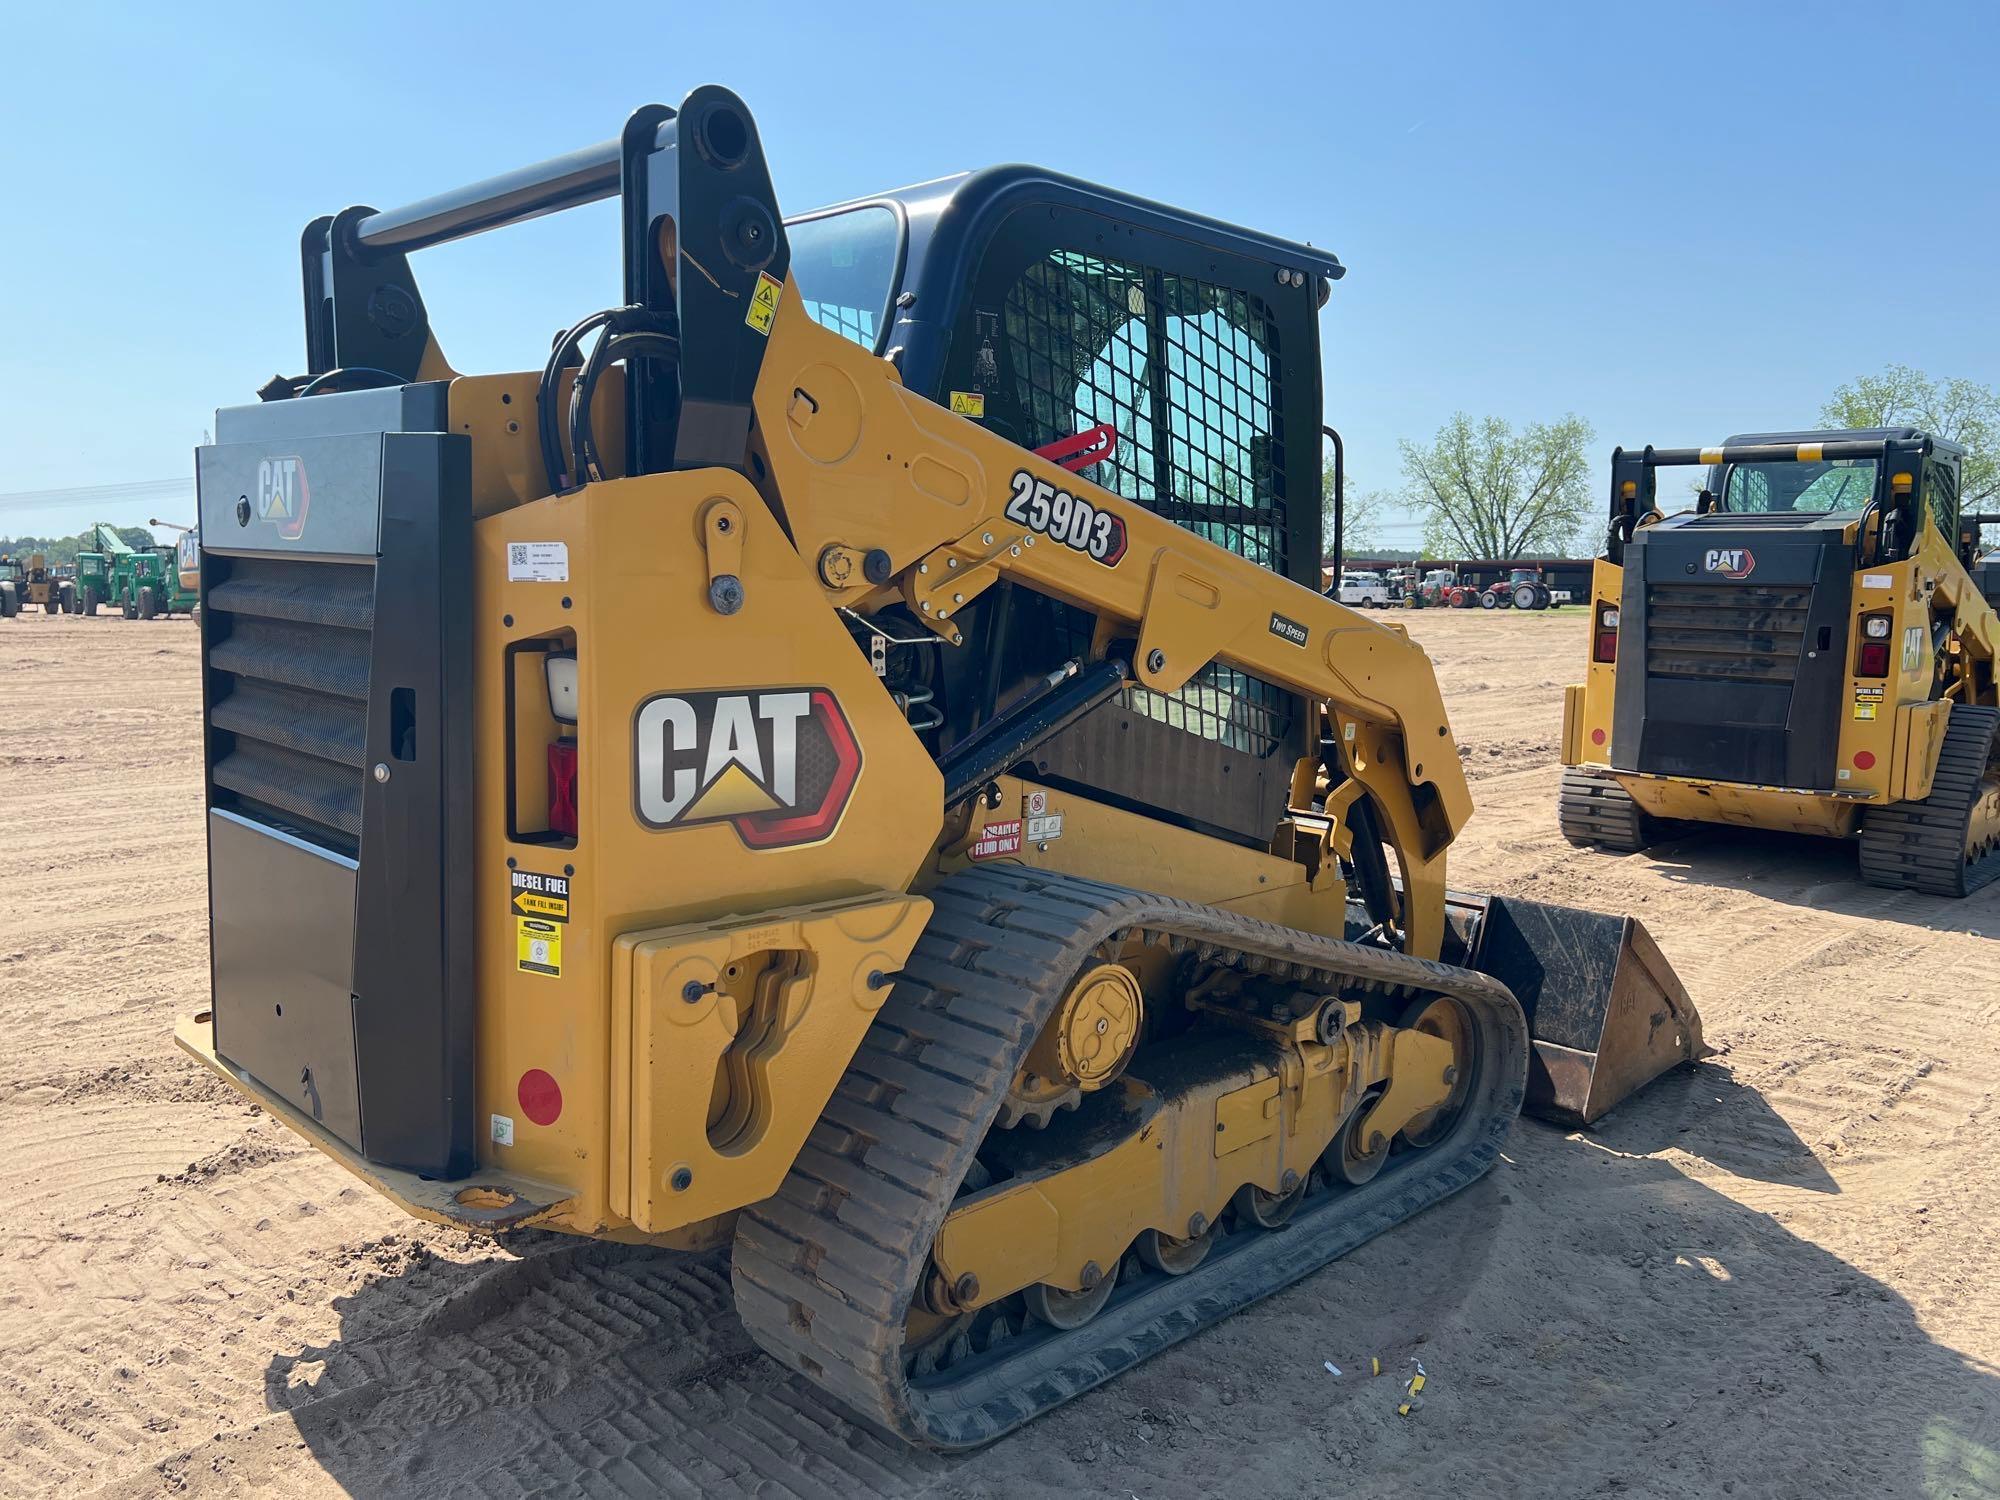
x,y
1809,648
847,760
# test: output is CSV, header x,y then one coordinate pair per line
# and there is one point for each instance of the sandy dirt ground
x,y
1772,1276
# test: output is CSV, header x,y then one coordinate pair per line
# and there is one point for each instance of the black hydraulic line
x,y
978,758
375,378
613,346
547,428
1339,501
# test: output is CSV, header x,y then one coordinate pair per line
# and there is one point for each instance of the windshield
x,y
845,264
1815,488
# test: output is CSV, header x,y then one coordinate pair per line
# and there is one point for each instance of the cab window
x,y
1841,484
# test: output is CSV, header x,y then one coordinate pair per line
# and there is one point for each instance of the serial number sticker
x,y
1878,580
968,403
998,839
544,896
538,562
1062,517
764,303
538,947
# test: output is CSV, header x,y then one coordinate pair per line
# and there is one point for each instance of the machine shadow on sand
x,y
612,1369
1819,873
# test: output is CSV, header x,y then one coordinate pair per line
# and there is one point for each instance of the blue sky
x,y
1675,221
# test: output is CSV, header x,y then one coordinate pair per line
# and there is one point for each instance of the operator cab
x,y
1169,357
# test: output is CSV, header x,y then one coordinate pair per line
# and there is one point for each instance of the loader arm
x,y
860,465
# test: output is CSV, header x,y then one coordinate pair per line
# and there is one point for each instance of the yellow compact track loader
x,y
1810,648
847,760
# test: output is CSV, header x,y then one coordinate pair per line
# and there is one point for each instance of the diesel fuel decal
x,y
778,765
1062,517
1289,630
544,896
539,905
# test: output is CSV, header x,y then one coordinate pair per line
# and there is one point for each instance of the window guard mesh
x,y
1096,341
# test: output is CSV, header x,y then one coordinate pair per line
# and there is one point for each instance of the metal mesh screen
x,y
1186,374
856,323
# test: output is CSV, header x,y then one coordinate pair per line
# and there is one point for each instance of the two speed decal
x,y
1066,518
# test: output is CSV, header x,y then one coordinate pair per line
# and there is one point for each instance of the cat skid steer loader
x,y
1810,648
847,759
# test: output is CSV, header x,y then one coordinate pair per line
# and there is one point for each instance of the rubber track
x,y
1920,846
1594,809
825,1270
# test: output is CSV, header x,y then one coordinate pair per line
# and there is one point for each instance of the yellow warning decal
x,y
968,403
1811,453
1711,455
538,947
764,303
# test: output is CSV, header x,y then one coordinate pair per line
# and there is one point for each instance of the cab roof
x,y
1941,446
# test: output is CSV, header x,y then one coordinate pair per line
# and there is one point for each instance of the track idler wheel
x,y
1350,1159
1269,1210
1175,1257
1444,1018
1066,1310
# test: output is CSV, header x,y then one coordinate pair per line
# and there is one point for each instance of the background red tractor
x,y
1522,588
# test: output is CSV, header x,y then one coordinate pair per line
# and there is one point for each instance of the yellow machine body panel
x,y
629,588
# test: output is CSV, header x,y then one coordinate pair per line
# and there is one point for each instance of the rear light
x,y
1605,644
562,788
1872,660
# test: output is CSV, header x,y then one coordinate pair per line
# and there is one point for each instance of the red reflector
x,y
1596,736
1607,646
1873,660
1864,760
562,788
540,1096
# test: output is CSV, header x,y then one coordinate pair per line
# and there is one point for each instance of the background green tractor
x,y
143,583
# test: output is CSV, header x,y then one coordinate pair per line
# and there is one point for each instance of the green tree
x,y
1366,510
1959,410
1485,490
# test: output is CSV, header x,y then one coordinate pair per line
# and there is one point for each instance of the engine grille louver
x,y
1725,633
288,693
